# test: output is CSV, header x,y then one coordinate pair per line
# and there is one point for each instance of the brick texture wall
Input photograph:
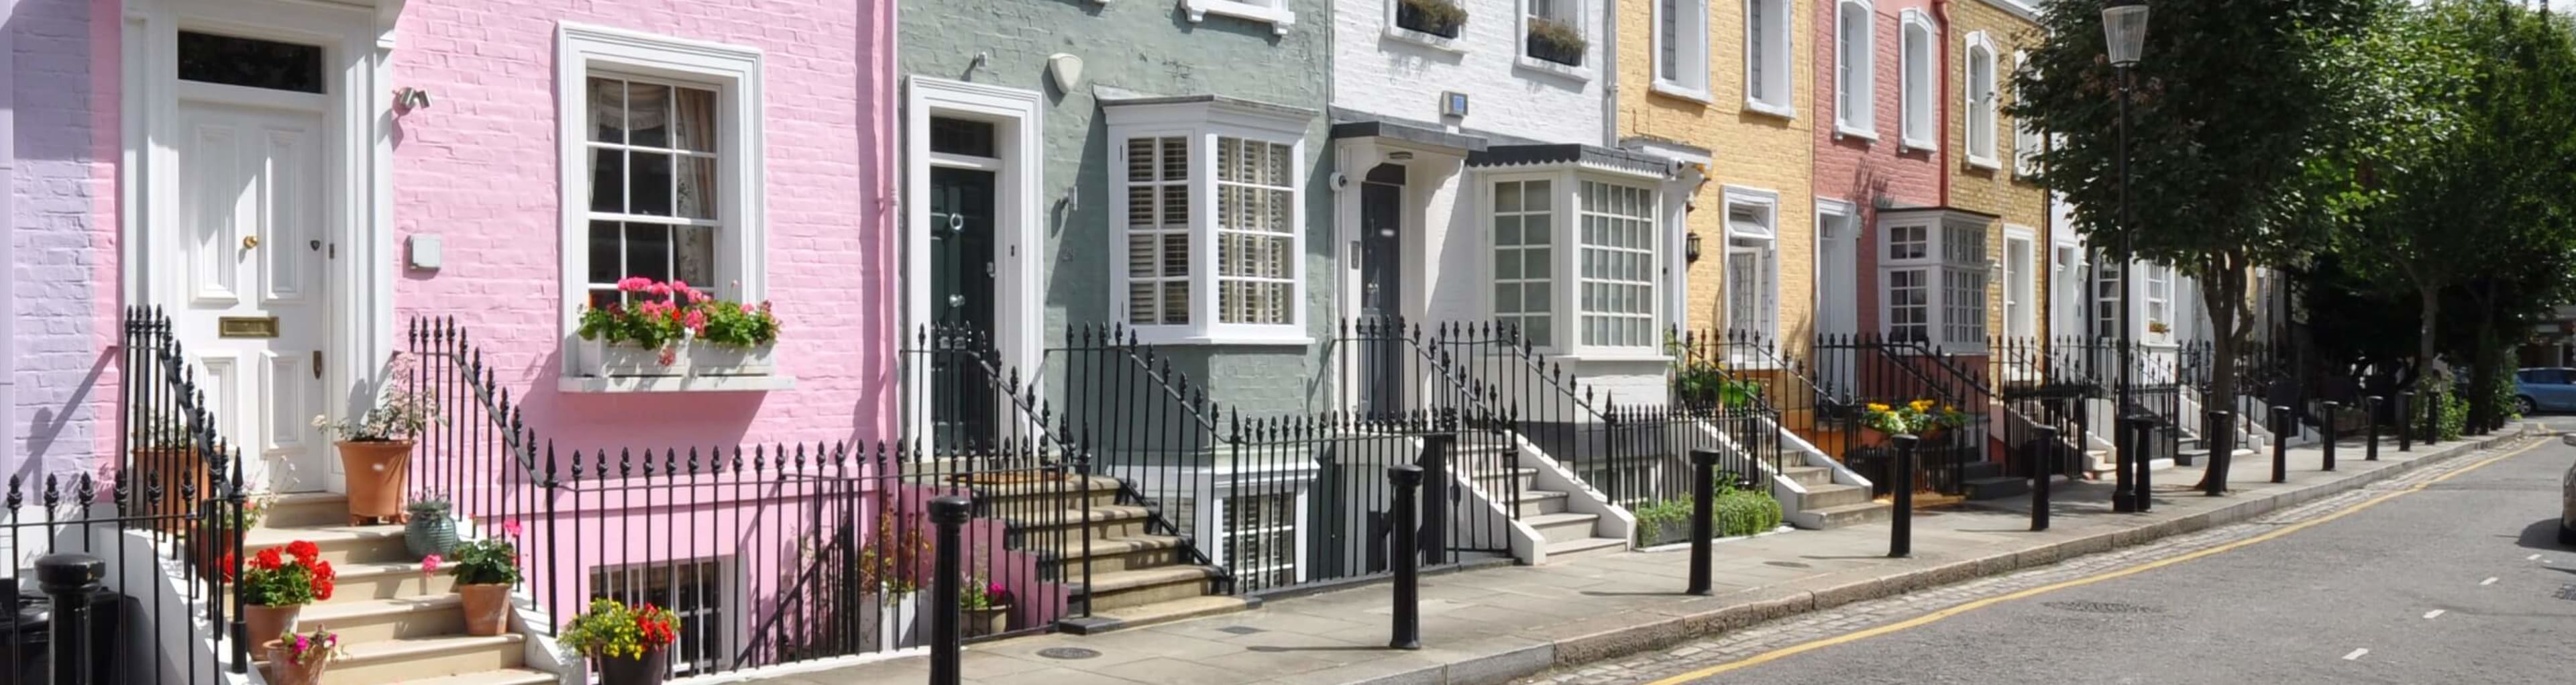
x,y
1374,73
1864,172
1753,150
63,198
1998,191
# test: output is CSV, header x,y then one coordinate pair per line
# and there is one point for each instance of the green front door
x,y
961,303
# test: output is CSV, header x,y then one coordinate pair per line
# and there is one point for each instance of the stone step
x,y
1004,500
1563,526
1567,550
1997,487
1157,612
413,659
339,544
1123,589
1851,515
506,676
1810,476
1103,522
377,620
1493,480
1541,503
305,509
1119,554
1826,496
361,581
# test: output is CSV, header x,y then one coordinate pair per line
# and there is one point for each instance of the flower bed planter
x,y
1411,15
688,358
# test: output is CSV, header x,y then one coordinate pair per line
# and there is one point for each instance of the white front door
x,y
243,267
1837,303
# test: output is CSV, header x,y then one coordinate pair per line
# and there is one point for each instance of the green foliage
x,y
2451,412
1558,35
1912,418
664,313
1705,382
487,561
612,629
1438,12
1737,512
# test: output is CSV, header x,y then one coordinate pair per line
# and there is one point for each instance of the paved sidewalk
x,y
1496,624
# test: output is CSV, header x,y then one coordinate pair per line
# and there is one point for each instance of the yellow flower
x,y
1920,405
1875,406
1950,409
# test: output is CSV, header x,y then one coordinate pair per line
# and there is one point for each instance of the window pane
x,y
648,184
607,180
693,115
694,256
975,139
607,110
231,60
1535,263
1507,264
1176,254
606,241
698,187
1507,231
1507,197
1535,196
648,114
648,251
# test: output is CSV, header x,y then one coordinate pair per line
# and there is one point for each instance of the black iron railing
x,y
1880,370
1331,471
177,481
2040,387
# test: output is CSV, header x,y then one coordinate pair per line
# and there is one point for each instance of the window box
x,y
688,358
1556,41
1443,18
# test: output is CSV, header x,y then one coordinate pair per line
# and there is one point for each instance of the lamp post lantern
x,y
2124,30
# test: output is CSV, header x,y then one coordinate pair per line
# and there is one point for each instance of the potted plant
x,y
1707,384
671,329
486,569
429,530
986,605
277,582
1441,18
1556,41
889,567
2158,328
215,542
375,448
631,644
1922,418
298,658
166,468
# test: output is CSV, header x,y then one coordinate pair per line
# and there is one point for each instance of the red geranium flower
x,y
267,560
305,551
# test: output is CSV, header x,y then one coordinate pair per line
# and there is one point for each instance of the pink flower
x,y
510,527
697,296
669,355
429,564
746,308
697,321
679,285
634,283
658,290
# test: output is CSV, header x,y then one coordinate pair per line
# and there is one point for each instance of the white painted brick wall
x,y
1386,76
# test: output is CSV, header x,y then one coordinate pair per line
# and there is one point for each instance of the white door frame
x,y
1019,117
357,44
2029,239
1847,260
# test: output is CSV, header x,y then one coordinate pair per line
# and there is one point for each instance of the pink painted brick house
x,y
299,184
1878,84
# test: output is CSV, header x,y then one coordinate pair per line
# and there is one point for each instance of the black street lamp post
x,y
2124,28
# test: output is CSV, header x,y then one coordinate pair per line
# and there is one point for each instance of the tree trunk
x,y
2223,294
2222,395
2432,308
2483,411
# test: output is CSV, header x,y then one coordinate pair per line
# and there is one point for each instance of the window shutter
x,y
1158,236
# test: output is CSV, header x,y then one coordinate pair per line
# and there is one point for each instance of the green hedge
x,y
1739,513
2452,412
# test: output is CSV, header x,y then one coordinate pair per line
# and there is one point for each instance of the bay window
x,y
1934,272
1210,219
1581,251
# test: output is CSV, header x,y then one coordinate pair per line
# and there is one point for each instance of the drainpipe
x,y
1941,12
9,448
1608,66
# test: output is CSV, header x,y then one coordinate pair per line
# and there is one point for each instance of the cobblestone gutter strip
x,y
1617,636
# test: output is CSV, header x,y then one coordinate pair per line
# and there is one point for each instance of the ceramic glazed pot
x,y
378,473
430,531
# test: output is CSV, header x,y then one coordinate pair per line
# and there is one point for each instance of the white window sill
x,y
624,384
1429,40
1919,145
1760,107
1552,68
1279,19
1986,163
1618,356
1842,130
1676,90
1151,336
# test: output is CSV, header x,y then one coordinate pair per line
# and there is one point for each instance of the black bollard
x,y
2220,438
2405,431
2282,428
948,514
2043,465
1435,496
2144,495
2433,424
1900,535
1407,632
70,579
2329,429
2371,407
2124,471
1703,522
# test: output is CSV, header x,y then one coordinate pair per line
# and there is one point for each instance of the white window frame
x,y
2157,298
1397,31
2021,282
2027,143
1976,104
1760,242
1566,313
734,72
1769,50
2066,289
1921,116
1581,19
1687,77
1936,266
1856,70
1203,122
723,620
1272,12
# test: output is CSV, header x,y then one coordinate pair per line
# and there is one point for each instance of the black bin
x,y
26,638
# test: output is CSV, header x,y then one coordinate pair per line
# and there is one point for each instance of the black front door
x,y
1381,355
961,305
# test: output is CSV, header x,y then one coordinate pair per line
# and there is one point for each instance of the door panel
x,y
1381,359
961,296
251,197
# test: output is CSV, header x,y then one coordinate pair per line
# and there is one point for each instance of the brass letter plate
x,y
247,327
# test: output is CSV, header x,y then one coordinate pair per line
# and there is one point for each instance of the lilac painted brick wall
x,y
479,169
63,204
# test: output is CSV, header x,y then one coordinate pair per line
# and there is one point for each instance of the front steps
x,y
1137,577
1835,506
396,624
1565,534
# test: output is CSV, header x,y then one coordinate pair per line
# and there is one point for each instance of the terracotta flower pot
x,y
487,608
989,621
379,472
207,551
284,671
268,622
176,472
649,669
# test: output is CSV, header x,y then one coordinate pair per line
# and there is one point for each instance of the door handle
x,y
250,241
317,364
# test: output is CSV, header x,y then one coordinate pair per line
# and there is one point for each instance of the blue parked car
x,y
2544,389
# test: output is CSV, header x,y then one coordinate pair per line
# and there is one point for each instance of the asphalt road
x,y
2462,582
